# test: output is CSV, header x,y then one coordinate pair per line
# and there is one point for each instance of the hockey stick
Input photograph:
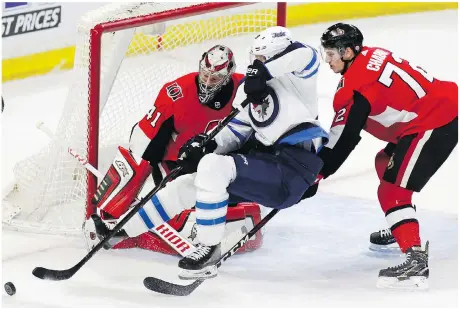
x,y
164,287
50,274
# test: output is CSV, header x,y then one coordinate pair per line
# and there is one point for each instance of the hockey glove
x,y
311,191
192,151
255,85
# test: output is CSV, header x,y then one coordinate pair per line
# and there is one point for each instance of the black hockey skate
x,y
102,231
384,241
200,264
412,273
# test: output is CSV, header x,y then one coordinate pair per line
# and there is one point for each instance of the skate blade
x,y
388,249
205,273
412,283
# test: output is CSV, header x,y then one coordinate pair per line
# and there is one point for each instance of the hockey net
x,y
124,54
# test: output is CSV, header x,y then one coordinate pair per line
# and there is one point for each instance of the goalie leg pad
x,y
240,219
121,184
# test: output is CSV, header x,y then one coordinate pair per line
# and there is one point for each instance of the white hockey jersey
x,y
291,113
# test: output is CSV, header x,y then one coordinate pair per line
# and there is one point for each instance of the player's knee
x,y
391,195
215,172
178,194
381,163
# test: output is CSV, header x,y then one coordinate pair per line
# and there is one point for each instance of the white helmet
x,y
215,71
270,42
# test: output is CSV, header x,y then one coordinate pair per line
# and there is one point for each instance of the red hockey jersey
x,y
404,99
179,100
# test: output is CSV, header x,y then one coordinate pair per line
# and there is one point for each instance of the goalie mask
x,y
216,68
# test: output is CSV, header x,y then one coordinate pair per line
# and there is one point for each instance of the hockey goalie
x,y
190,105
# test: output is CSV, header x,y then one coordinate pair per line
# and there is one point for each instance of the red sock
x,y
396,202
407,235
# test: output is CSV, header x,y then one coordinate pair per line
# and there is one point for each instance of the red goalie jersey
x,y
177,116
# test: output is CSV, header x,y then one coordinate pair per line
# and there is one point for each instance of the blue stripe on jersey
x,y
312,73
202,205
236,121
160,208
313,60
238,134
210,221
141,212
304,135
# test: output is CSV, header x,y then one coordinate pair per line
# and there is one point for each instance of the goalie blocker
x,y
120,187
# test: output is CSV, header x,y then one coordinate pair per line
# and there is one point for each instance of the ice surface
x,y
314,255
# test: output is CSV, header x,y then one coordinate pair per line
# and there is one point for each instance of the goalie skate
x,y
102,230
95,229
89,234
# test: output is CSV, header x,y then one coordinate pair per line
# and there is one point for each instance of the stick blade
x,y
49,274
164,287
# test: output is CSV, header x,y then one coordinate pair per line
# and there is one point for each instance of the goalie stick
x,y
164,287
51,274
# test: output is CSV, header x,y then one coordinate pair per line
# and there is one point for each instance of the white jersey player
x,y
281,86
291,77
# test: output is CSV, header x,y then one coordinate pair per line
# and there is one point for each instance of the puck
x,y
10,288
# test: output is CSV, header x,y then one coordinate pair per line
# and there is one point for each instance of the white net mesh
x,y
51,187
